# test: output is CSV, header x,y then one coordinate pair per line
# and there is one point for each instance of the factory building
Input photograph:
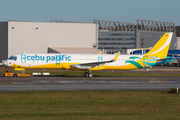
x,y
42,37
178,43
115,36
120,36
72,37
149,32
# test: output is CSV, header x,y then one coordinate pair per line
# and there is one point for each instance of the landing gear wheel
x,y
86,74
14,75
90,75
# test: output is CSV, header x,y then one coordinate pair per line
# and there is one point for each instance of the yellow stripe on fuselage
x,y
67,66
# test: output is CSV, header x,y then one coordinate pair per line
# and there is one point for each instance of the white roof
x,y
78,50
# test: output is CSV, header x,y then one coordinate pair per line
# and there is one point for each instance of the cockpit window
x,y
13,58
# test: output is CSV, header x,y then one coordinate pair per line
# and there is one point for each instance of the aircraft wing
x,y
93,64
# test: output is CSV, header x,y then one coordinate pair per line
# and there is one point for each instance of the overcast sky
x,y
89,10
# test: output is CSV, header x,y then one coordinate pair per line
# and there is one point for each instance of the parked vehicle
x,y
12,74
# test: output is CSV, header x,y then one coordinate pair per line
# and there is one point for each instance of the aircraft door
x,y
100,59
23,58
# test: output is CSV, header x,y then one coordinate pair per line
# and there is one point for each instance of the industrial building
x,y
178,43
120,36
115,36
41,37
74,37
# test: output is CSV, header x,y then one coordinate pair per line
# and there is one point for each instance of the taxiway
x,y
82,83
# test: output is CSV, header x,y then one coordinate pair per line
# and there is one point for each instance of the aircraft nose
x,y
1,63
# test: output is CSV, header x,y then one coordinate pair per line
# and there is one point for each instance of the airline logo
x,y
35,57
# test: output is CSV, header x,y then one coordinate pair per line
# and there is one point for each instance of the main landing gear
x,y
88,74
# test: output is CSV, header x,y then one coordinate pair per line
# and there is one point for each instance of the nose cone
x,y
1,63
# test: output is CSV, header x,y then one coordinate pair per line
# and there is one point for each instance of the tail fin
x,y
161,48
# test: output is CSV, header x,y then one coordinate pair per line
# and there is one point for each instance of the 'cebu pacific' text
x,y
35,57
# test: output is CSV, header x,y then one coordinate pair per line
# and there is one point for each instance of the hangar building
x,y
120,36
41,37
72,37
178,43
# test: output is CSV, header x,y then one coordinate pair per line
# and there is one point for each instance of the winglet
x,y
116,56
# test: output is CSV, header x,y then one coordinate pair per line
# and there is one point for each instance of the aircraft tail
x,y
161,48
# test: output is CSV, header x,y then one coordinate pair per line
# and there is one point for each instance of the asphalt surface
x,y
81,83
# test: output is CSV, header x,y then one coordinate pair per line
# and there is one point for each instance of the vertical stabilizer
x,y
161,48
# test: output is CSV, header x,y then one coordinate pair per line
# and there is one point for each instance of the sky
x,y
89,10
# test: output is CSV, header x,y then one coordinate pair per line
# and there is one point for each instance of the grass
x,y
101,105
102,73
5,82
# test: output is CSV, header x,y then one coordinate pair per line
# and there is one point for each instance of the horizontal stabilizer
x,y
169,59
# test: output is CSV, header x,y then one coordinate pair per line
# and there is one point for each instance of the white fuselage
x,y
63,61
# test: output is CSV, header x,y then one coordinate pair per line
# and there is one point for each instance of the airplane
x,y
90,62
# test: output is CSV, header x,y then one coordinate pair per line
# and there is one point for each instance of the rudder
x,y
161,48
